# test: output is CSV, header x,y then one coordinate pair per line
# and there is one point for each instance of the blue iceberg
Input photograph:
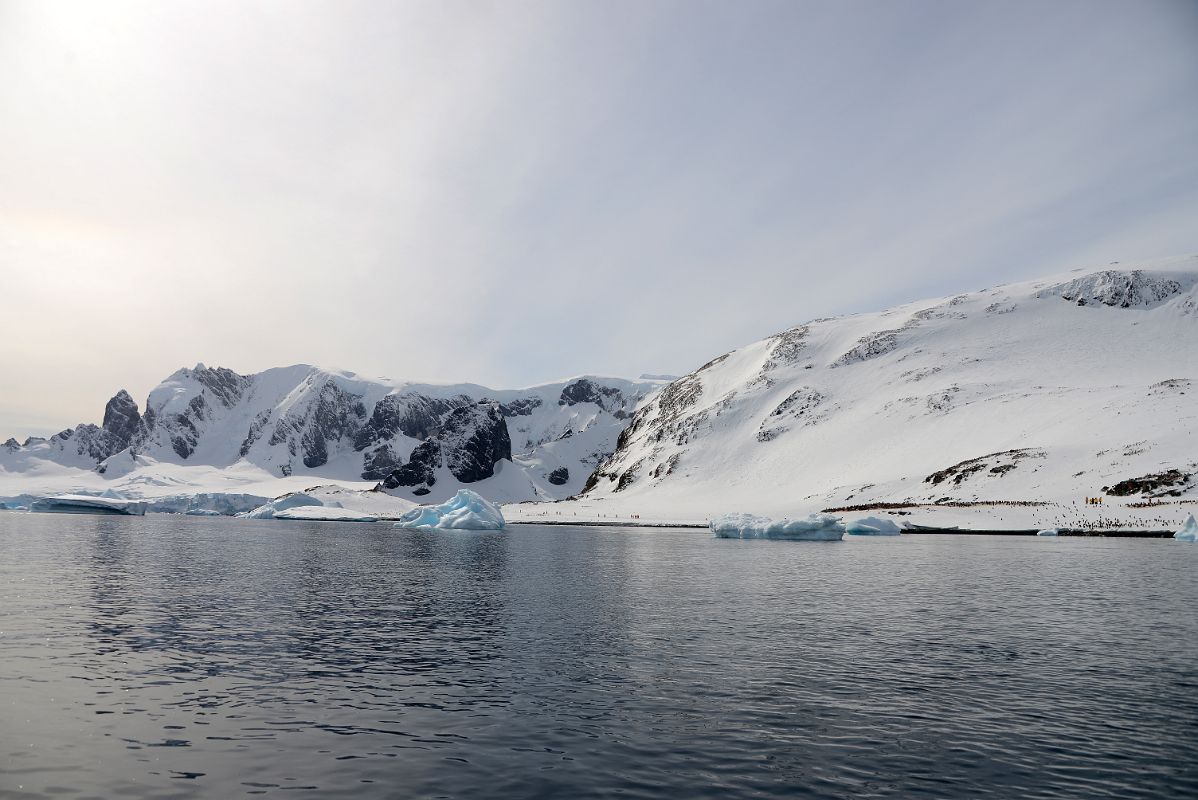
x,y
464,511
1189,531
873,526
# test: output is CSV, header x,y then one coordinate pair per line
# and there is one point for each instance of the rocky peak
x,y
121,417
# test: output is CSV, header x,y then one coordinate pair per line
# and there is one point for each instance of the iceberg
x,y
1189,531
464,511
1048,532
86,504
873,526
325,514
282,503
814,528
202,512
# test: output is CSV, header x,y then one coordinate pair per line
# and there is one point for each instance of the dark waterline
x,y
179,657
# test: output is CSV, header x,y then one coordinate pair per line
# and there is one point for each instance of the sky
x,y
512,192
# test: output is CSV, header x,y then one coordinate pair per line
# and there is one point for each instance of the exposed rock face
x,y
559,477
335,414
474,438
1121,289
993,464
412,415
586,391
380,462
225,384
1146,484
421,469
520,408
121,417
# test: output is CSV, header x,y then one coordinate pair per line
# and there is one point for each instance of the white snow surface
x,y
324,514
814,528
873,526
1188,531
466,510
1038,391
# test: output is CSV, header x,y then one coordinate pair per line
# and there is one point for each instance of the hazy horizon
x,y
505,194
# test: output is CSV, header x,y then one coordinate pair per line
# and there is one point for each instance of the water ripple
x,y
189,657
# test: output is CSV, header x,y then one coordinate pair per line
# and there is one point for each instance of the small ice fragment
x,y
1047,532
464,511
814,528
1189,531
873,526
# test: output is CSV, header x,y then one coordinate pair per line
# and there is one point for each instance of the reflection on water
x,y
181,656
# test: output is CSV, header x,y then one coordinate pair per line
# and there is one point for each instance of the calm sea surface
x,y
181,657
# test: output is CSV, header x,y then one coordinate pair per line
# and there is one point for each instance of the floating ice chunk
x,y
282,503
464,511
86,504
1189,531
325,513
873,526
815,528
202,512
1048,532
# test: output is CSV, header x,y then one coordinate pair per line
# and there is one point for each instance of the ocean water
x,y
190,657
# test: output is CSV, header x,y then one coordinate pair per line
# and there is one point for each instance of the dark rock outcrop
x,y
522,407
421,469
473,439
412,415
559,477
1149,483
380,462
586,391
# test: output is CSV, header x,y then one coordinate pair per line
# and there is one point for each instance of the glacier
x,y
873,526
813,528
1189,531
466,510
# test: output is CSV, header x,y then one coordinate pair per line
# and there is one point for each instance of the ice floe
x,y
873,526
86,504
814,528
293,500
325,514
1048,532
1189,531
464,511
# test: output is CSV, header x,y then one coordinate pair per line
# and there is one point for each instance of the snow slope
x,y
1046,391
286,429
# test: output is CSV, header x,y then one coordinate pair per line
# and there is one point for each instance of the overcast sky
x,y
512,192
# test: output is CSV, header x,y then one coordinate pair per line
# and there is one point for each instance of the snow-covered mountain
x,y
1056,389
212,429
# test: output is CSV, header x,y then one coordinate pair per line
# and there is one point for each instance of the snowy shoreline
x,y
1114,533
